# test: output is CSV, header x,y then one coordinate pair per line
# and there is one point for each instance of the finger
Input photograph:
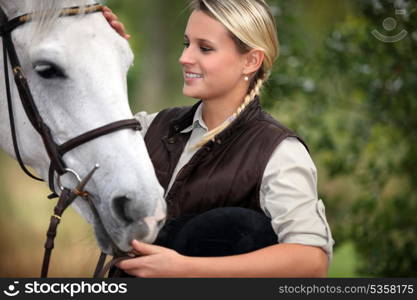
x,y
111,16
122,27
130,264
116,25
146,249
114,17
107,9
108,17
119,27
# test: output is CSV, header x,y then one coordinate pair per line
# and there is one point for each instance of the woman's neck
x,y
214,114
216,111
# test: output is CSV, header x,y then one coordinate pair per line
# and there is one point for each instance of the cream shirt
x,y
288,193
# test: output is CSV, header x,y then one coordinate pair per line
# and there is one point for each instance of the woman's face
x,y
212,65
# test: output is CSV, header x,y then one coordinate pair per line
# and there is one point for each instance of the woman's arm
x,y
281,260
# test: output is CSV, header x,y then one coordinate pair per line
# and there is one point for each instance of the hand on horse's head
x,y
114,22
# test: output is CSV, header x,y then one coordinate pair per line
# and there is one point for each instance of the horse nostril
x,y
160,223
121,208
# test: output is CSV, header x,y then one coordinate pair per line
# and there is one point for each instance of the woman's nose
x,y
186,57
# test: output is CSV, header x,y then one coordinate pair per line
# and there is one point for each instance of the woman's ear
x,y
253,61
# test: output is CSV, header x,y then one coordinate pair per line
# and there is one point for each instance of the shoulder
x,y
269,123
292,163
287,138
145,120
164,117
292,151
175,113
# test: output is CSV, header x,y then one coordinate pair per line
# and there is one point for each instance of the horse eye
x,y
49,71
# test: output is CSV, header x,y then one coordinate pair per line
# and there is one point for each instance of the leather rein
x,y
54,151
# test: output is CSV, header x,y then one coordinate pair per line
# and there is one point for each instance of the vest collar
x,y
185,122
241,122
197,121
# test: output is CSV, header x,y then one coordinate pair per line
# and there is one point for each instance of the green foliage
x,y
345,262
356,97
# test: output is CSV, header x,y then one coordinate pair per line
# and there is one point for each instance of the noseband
x,y
55,151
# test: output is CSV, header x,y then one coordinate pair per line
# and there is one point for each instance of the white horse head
x,y
76,68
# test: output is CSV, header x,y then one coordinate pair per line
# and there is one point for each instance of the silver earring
x,y
246,78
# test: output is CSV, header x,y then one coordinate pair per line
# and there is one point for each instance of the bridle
x,y
54,151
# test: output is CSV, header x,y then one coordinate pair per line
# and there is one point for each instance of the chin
x,y
191,94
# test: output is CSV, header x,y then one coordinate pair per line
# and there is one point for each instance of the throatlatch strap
x,y
98,132
89,136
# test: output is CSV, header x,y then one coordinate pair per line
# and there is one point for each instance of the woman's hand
x,y
113,21
155,261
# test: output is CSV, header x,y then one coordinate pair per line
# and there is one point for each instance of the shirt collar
x,y
198,121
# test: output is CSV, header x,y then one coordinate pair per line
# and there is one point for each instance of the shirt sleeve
x,y
145,120
289,196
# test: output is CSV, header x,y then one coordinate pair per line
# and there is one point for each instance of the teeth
x,y
192,75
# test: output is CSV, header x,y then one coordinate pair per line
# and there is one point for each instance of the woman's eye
x,y
186,44
205,49
49,71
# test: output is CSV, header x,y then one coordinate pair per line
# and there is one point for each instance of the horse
x,y
76,68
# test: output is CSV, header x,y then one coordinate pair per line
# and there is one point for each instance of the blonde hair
x,y
252,26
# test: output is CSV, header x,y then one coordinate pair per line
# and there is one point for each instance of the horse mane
x,y
46,12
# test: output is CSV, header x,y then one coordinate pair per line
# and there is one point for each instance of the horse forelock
x,y
46,12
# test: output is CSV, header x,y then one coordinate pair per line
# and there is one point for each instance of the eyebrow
x,y
199,40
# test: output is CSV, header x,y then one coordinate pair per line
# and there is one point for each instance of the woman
x,y
240,187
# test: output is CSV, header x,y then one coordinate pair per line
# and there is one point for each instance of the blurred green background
x,y
349,94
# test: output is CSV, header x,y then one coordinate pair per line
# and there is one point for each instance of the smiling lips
x,y
191,76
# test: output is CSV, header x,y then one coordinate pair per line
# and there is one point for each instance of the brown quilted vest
x,y
226,172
